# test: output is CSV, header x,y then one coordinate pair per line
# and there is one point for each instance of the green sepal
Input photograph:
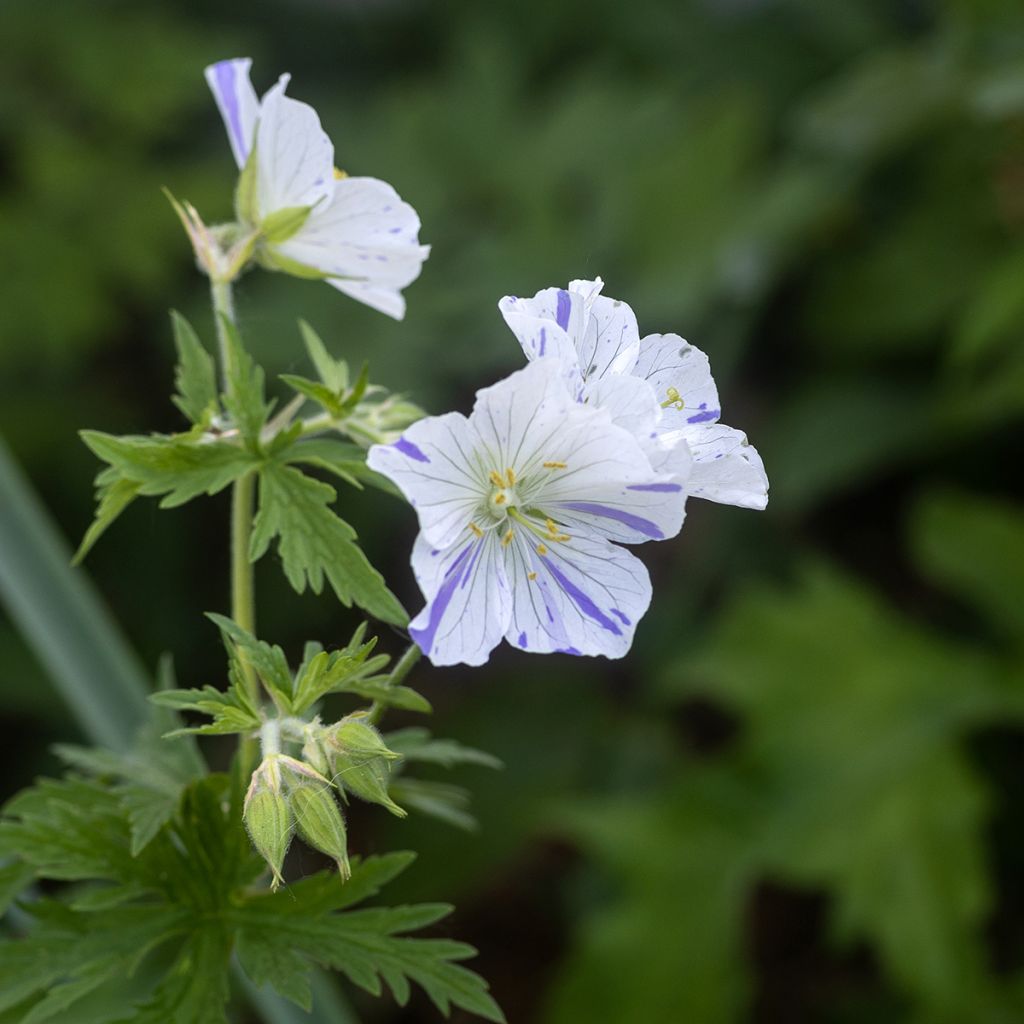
x,y
284,224
272,259
246,209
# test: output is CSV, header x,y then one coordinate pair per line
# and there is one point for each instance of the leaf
x,y
439,800
15,878
232,710
113,495
315,391
381,690
975,547
339,457
179,467
244,398
314,543
338,671
333,372
195,377
267,661
417,744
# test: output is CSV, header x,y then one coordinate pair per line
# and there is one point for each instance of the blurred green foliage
x,y
800,797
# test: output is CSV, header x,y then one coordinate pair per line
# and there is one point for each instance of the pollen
x,y
499,499
531,575
541,549
555,465
339,174
495,479
507,539
476,529
510,475
553,533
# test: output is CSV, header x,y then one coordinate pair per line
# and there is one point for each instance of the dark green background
x,y
799,798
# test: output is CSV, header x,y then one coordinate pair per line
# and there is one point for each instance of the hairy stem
x,y
243,604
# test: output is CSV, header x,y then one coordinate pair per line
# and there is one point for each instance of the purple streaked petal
x,y
570,650
408,448
704,416
543,341
563,309
660,488
522,640
424,637
236,99
635,522
624,619
582,600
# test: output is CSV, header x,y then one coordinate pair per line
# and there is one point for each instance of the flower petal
x,y
581,597
546,324
611,340
435,464
236,99
468,600
365,241
294,156
726,467
678,370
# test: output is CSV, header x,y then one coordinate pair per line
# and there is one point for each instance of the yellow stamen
x,y
507,539
476,529
511,476
541,550
531,575
553,533
339,174
674,399
495,479
499,499
555,465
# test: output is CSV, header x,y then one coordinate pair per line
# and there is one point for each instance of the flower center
x,y
503,493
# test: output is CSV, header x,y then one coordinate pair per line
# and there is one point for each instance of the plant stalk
x,y
243,601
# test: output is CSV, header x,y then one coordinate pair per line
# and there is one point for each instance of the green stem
x,y
243,602
398,673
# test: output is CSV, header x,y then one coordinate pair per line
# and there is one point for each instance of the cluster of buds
x,y
288,795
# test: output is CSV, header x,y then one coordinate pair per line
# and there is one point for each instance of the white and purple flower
x,y
355,233
599,339
518,506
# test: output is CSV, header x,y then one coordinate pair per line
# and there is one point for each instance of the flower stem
x,y
402,668
243,604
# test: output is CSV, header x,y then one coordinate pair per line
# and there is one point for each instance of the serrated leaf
x,y
314,543
335,671
380,689
15,878
315,391
267,661
232,710
114,494
341,458
195,377
244,398
178,467
333,372
417,744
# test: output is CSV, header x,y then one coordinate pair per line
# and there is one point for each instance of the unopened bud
x,y
362,761
267,816
320,822
353,735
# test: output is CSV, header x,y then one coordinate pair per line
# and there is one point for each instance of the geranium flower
x,y
518,506
599,338
315,221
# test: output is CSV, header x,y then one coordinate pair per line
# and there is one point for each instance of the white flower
x,y
600,339
518,505
355,233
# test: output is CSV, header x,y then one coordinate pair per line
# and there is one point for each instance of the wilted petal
x,y
468,600
436,466
236,99
581,597
365,241
681,376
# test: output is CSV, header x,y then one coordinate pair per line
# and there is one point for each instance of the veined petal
x,y
546,324
437,464
236,99
468,600
681,376
611,340
581,597
294,156
726,467
365,241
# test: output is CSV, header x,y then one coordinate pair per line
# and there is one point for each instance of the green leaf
x,y
417,744
177,467
244,398
113,495
15,878
196,377
381,690
335,672
314,543
439,800
975,547
315,391
232,710
341,458
333,372
268,662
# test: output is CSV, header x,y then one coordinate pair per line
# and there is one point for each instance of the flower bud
x,y
267,816
320,823
362,761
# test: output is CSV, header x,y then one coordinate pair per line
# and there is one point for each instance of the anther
x,y
476,529
541,550
511,476
555,465
499,499
531,575
507,539
495,479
